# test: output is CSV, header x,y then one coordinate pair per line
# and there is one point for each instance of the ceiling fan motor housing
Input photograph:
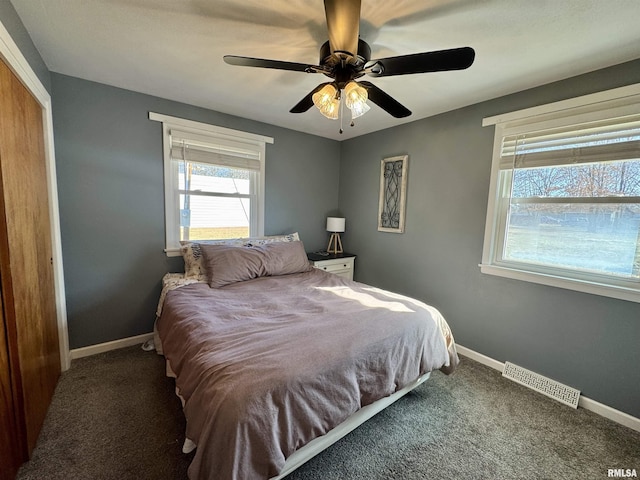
x,y
344,66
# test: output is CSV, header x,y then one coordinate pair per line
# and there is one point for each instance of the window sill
x,y
594,288
172,252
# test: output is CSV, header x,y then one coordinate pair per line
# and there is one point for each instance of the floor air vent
x,y
550,388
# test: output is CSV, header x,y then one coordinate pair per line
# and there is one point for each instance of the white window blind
x,y
607,140
198,148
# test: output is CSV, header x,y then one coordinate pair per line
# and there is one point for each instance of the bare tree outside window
x,y
584,216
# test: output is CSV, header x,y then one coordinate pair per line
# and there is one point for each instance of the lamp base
x,y
335,244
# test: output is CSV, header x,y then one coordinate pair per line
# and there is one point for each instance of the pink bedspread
x,y
267,365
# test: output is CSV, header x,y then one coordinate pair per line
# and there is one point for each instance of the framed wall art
x,y
393,194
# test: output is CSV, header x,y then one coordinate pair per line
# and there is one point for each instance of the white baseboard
x,y
584,402
114,345
480,358
610,413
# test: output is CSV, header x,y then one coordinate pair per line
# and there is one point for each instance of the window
x,y
564,205
214,182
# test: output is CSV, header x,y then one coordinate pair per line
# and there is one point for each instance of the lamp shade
x,y
335,224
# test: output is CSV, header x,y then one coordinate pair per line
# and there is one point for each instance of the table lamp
x,y
335,225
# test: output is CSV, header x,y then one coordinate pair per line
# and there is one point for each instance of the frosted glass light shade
x,y
335,224
359,109
354,94
355,98
325,100
331,110
325,95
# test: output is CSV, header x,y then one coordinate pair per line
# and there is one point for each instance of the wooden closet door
x,y
26,264
10,456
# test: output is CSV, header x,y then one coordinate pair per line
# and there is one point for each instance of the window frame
x,y
598,106
215,135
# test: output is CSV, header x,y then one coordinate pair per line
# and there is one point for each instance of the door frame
x,y
13,57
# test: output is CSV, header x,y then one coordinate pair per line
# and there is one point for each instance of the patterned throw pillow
x,y
291,237
192,254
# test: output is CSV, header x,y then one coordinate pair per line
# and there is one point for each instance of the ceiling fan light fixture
x,y
354,94
331,110
327,102
324,96
355,98
359,109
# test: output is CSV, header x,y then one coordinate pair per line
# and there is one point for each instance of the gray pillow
x,y
226,264
190,249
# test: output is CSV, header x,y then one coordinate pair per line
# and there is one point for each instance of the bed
x,y
275,360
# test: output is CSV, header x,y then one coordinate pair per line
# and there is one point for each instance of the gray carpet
x,y
115,416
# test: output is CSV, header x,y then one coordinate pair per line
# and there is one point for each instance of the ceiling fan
x,y
346,58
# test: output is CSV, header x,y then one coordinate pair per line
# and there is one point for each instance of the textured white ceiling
x,y
174,48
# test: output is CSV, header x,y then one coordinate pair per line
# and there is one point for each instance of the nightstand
x,y
341,264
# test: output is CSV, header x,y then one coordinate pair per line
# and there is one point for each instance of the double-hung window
x,y
214,182
564,206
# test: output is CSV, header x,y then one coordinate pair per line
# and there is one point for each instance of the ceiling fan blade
x,y
343,24
307,102
264,63
385,101
438,61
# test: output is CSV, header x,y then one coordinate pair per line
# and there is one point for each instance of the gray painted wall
x,y
586,341
19,34
109,164
110,183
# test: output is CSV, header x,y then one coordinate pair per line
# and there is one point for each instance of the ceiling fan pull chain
x,y
341,111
